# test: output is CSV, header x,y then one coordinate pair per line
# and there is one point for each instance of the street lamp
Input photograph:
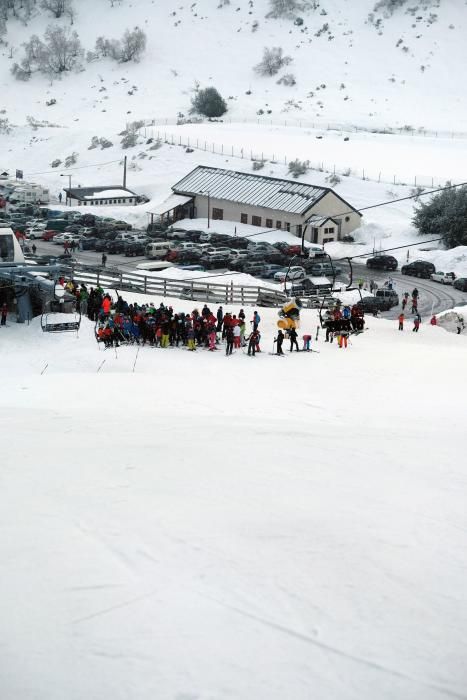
x,y
209,205
69,187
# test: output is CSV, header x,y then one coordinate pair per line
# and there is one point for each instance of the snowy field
x,y
206,528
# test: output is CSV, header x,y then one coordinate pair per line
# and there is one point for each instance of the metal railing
x,y
183,289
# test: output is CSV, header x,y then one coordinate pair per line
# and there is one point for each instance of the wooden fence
x,y
183,289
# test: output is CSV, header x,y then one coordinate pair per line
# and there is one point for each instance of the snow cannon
x,y
290,315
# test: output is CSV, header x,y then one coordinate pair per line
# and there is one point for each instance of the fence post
x,y
165,288
145,284
222,149
379,177
363,174
172,139
213,148
205,146
394,179
415,180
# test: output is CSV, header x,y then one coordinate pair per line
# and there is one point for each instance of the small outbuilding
x,y
317,212
112,195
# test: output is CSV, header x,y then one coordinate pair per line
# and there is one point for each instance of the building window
x,y
279,224
268,223
328,240
256,220
243,218
217,214
299,229
347,218
287,226
329,230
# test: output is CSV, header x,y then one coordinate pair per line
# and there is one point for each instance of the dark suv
x,y
374,304
382,262
419,268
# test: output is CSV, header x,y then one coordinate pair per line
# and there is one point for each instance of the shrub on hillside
x,y
298,167
209,102
273,60
444,216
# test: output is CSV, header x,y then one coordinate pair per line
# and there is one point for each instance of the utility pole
x,y
124,172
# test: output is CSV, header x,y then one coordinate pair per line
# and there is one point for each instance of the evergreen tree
x,y
445,215
209,103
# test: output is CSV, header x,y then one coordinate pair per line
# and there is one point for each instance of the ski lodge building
x,y
267,202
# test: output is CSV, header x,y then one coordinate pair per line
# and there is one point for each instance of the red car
x,y
48,235
293,250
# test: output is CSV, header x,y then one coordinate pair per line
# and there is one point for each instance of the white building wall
x,y
130,202
232,211
329,205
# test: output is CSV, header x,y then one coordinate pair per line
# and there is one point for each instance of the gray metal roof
x,y
247,188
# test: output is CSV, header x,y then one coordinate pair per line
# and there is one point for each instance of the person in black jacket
x,y
220,319
229,337
293,339
279,341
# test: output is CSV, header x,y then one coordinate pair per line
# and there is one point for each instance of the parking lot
x,y
88,237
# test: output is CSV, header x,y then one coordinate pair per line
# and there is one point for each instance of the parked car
x,y
270,270
443,277
66,238
296,272
418,268
253,268
49,235
176,234
124,236
158,249
389,294
134,248
115,247
372,304
238,242
122,226
87,243
100,245
382,262
238,255
324,269
34,233
292,250
214,261
461,284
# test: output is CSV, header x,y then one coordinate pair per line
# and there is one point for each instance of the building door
x,y
217,214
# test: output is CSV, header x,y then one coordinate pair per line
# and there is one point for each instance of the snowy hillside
x,y
398,70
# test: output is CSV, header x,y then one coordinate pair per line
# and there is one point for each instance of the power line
x,y
78,167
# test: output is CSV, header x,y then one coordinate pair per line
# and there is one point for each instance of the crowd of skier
x,y
119,322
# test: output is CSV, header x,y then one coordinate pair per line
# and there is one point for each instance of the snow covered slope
x,y
399,70
213,528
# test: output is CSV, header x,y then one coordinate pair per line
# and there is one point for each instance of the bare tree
x,y
59,8
287,9
133,44
273,60
60,52
129,48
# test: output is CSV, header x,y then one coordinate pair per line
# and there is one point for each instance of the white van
x,y
158,249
